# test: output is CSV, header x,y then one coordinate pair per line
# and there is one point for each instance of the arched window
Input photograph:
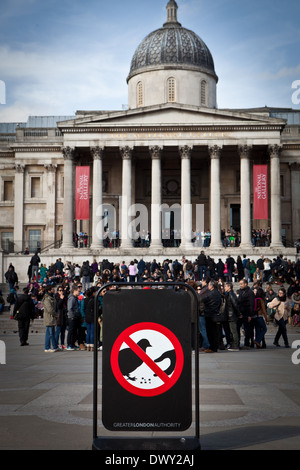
x,y
171,90
203,93
140,95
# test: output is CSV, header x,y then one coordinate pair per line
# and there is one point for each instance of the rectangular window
x,y
34,240
171,90
35,187
7,241
140,98
282,185
8,194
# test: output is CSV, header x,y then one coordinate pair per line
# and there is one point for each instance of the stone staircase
x,y
9,326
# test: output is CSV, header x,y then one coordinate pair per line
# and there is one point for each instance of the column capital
x,y
185,152
274,150
244,151
97,152
68,153
155,152
126,152
19,167
294,166
214,151
50,167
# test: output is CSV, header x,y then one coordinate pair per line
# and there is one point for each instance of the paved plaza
x,y
248,399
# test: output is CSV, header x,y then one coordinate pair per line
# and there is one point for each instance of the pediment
x,y
169,115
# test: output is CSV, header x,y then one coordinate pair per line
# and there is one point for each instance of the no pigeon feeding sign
x,y
147,359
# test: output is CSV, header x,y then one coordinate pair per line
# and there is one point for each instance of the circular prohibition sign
x,y
166,382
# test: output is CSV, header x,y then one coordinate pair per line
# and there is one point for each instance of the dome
x,y
172,46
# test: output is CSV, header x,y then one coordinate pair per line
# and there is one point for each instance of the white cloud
x,y
56,82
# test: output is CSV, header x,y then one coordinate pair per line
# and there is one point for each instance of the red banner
x,y
82,193
260,192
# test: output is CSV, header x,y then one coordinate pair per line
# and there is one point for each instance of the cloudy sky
x,y
59,56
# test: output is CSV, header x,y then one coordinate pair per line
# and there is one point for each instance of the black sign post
x,y
149,330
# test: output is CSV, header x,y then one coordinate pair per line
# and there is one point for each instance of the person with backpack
x,y
34,262
11,277
85,275
23,312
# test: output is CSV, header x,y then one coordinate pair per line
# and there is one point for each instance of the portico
x,y
200,156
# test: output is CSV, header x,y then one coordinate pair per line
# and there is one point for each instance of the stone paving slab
x,y
248,399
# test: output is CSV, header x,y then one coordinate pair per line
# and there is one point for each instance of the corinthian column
x,y
156,197
186,197
68,154
51,203
244,151
97,226
215,197
276,235
19,208
126,153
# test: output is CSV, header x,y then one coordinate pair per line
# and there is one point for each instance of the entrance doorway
x,y
235,217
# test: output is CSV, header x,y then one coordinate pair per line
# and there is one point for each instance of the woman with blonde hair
x,y
282,309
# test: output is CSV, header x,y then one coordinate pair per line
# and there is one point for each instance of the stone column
x,y
69,200
97,211
244,151
186,198
19,208
51,203
215,197
156,215
126,238
276,234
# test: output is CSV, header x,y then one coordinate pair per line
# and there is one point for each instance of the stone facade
x,y
183,154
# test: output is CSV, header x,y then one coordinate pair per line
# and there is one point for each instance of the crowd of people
x,y
63,295
171,238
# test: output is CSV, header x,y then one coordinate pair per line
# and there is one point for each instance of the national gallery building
x,y
161,178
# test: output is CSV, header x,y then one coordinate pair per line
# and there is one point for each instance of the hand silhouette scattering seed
x,y
129,361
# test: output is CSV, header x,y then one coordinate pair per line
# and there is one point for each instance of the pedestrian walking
x,y
246,303
23,312
282,310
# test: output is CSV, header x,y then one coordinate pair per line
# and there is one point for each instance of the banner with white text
x,y
260,192
82,193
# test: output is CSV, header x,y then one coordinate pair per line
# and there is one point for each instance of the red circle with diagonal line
x,y
168,381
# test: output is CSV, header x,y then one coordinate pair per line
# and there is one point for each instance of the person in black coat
x,y
89,305
212,303
62,319
232,314
24,311
246,303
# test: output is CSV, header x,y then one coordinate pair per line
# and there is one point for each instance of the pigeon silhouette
x,y
129,361
171,355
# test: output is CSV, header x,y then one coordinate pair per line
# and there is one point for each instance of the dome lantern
x,y
172,52
172,8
